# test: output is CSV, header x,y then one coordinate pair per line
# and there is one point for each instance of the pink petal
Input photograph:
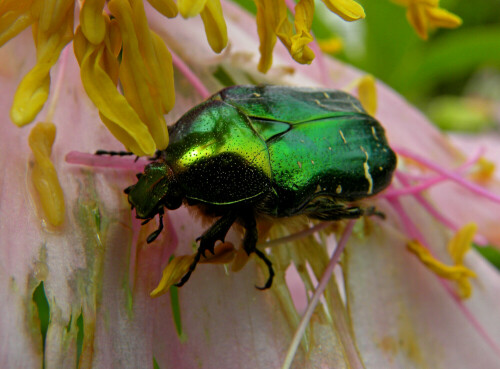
x,y
403,317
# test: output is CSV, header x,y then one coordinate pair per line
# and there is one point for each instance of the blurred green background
x,y
454,77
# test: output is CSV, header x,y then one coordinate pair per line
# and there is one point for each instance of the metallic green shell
x,y
217,156
292,144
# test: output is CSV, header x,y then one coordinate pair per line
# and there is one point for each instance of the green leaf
x,y
453,56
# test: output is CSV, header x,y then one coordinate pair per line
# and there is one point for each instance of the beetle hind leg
x,y
264,258
216,232
249,245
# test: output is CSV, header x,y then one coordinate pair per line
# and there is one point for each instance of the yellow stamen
x,y
461,243
92,21
166,7
174,271
426,14
224,253
190,8
158,62
15,16
240,260
304,12
33,90
54,14
442,18
137,75
331,45
348,10
266,29
416,17
457,248
179,266
367,93
117,114
44,175
215,25
484,171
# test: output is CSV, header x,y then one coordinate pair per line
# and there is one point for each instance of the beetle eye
x,y
127,190
139,175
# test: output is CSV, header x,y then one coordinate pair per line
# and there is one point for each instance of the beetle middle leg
x,y
216,232
328,209
249,245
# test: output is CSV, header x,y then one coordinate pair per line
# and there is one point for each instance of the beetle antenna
x,y
156,233
114,153
264,258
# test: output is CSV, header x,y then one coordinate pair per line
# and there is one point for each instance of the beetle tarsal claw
x,y
156,233
264,258
192,267
372,210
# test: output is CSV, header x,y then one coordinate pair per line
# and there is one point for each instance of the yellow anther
x,y
426,14
348,10
442,18
92,21
33,90
224,253
120,118
331,45
15,16
174,271
304,12
139,74
268,17
190,8
272,21
457,273
367,93
215,25
461,243
54,15
166,7
483,171
44,175
240,260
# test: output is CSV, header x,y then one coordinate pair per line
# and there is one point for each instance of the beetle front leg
x,y
216,232
249,245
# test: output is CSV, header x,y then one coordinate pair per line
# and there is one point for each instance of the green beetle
x,y
266,150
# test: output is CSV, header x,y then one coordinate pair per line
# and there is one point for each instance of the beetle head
x,y
155,188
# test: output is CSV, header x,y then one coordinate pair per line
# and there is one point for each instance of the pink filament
x,y
479,239
429,182
106,161
190,76
449,174
413,232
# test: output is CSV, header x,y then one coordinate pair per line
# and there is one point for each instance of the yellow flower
x,y
44,176
426,14
115,47
272,22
